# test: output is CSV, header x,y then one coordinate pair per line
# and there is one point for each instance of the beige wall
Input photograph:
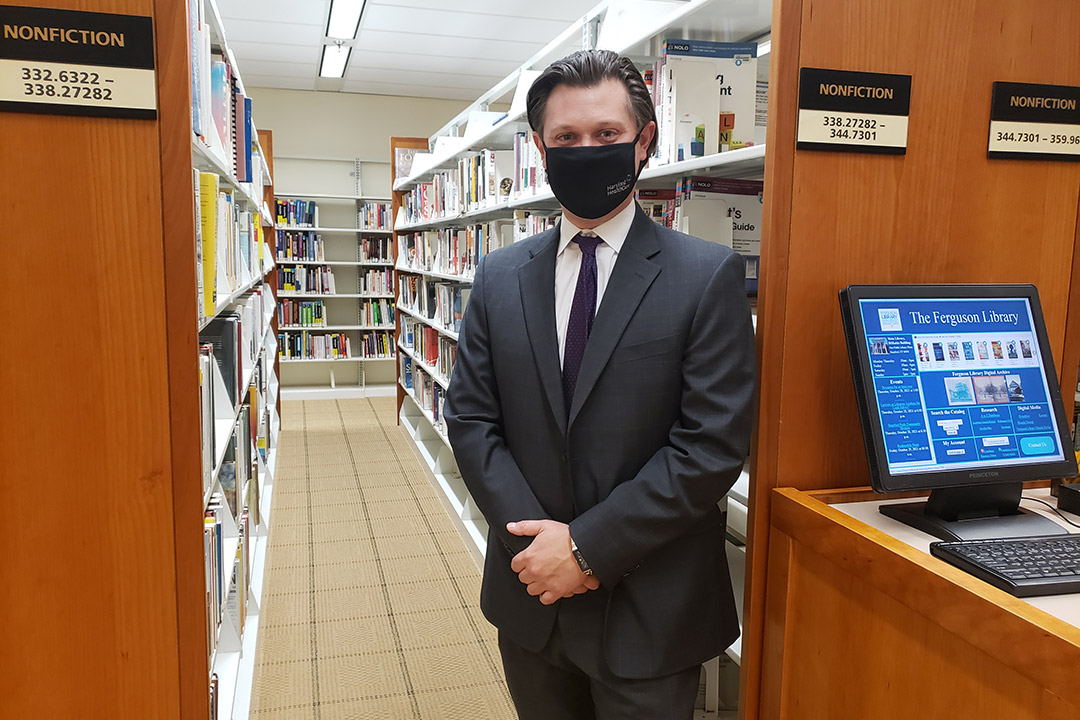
x,y
345,125
333,129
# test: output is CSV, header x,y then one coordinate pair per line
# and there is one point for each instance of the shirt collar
x,y
613,232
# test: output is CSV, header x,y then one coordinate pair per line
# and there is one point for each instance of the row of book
x,y
301,313
376,249
707,99
378,281
227,577
378,345
299,245
307,279
453,251
233,508
307,245
220,111
228,242
480,180
376,312
213,547
529,175
483,179
421,339
311,346
234,339
293,313
530,222
429,345
439,301
373,216
230,347
296,213
305,345
723,210
429,395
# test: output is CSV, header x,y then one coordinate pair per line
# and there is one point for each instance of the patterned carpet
x,y
370,606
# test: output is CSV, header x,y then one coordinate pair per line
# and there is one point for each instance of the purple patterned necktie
x,y
581,315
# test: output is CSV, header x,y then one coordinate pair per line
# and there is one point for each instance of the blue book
x,y
250,134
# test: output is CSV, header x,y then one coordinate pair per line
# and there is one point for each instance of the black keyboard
x,y
1024,567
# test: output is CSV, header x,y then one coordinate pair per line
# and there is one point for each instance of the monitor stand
x,y
974,513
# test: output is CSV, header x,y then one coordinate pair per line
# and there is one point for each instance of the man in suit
x,y
600,407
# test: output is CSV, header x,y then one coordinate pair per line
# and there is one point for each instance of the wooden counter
x,y
862,624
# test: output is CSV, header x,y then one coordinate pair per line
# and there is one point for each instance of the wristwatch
x,y
580,558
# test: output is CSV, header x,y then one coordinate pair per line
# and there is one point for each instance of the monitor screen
x,y
956,385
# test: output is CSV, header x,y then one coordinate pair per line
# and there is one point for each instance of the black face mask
x,y
592,181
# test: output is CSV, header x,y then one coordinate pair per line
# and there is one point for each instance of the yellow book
x,y
208,198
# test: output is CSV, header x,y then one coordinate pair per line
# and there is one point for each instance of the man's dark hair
x,y
589,68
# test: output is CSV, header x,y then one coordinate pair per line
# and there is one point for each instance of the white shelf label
x,y
1029,137
87,86
1034,122
849,128
847,111
77,63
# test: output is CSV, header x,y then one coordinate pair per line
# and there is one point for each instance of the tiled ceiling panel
x,y
454,23
415,48
370,59
272,33
300,55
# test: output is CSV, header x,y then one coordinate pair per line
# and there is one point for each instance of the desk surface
x,y
1063,607
858,614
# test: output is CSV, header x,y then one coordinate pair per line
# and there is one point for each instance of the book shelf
x,y
438,217
238,368
336,293
106,474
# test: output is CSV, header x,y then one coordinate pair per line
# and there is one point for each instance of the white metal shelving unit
x,y
233,659
335,185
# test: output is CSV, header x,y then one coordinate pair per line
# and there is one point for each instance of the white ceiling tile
x,y
372,88
302,12
473,26
564,10
428,63
418,48
273,33
394,42
300,54
477,83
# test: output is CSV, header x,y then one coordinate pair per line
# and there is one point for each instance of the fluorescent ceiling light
x,y
334,60
344,18
764,48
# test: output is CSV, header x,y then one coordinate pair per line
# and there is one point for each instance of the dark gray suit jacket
x,y
657,433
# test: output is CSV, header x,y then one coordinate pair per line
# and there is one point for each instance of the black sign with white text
x,y
1034,122
847,111
69,62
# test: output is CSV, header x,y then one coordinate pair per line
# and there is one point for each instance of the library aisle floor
x,y
371,602
370,607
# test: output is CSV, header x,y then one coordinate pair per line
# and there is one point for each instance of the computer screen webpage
x,y
959,384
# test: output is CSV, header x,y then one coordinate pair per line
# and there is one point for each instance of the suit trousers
x,y
569,678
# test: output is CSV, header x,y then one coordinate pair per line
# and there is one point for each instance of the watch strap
x,y
580,558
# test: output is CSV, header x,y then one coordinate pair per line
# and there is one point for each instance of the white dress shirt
x,y
568,263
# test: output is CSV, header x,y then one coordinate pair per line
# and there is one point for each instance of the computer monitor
x,y
957,394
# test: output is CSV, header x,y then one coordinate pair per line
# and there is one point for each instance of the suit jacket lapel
x,y
537,284
630,278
